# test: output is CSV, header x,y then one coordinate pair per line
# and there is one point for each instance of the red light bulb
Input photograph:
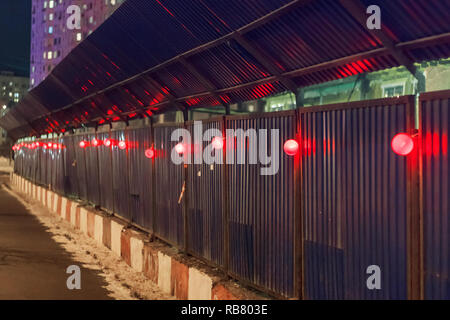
x,y
402,144
291,147
149,153
179,148
122,145
107,142
96,142
217,143
83,144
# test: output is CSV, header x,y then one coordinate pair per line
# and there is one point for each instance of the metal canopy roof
x,y
154,55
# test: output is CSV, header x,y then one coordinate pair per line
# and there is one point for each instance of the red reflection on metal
x,y
402,144
217,143
291,147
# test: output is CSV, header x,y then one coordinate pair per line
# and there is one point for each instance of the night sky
x,y
15,24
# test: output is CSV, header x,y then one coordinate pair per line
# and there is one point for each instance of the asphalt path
x,y
32,265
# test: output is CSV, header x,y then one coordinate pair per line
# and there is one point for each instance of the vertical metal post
x,y
298,223
186,192
152,141
225,200
414,242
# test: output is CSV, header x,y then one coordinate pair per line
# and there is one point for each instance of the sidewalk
x,y
32,264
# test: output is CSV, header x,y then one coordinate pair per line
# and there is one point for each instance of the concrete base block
x,y
107,232
63,208
125,248
164,272
116,235
179,280
90,224
151,263
200,285
137,254
98,229
220,292
83,220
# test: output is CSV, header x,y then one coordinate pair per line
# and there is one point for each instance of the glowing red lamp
x,y
50,145
150,153
122,145
291,147
179,148
107,143
96,142
217,143
83,144
402,144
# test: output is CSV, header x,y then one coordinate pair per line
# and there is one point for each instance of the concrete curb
x,y
174,275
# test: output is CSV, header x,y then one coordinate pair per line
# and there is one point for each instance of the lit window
x,y
51,4
32,81
113,2
10,94
50,17
45,4
393,90
91,20
50,29
78,36
16,95
33,69
50,54
45,55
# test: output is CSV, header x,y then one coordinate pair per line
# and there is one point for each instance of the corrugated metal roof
x,y
151,55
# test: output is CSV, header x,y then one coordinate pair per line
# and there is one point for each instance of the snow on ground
x,y
123,282
6,165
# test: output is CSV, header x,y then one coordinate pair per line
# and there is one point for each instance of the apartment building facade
x,y
52,40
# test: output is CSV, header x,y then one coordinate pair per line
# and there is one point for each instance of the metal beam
x,y
264,60
414,44
358,11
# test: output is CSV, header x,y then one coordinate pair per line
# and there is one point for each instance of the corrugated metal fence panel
x,y
58,179
121,196
354,199
169,179
71,183
80,165
435,123
93,187
205,207
261,215
140,177
105,173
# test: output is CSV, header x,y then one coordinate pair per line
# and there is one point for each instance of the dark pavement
x,y
32,264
